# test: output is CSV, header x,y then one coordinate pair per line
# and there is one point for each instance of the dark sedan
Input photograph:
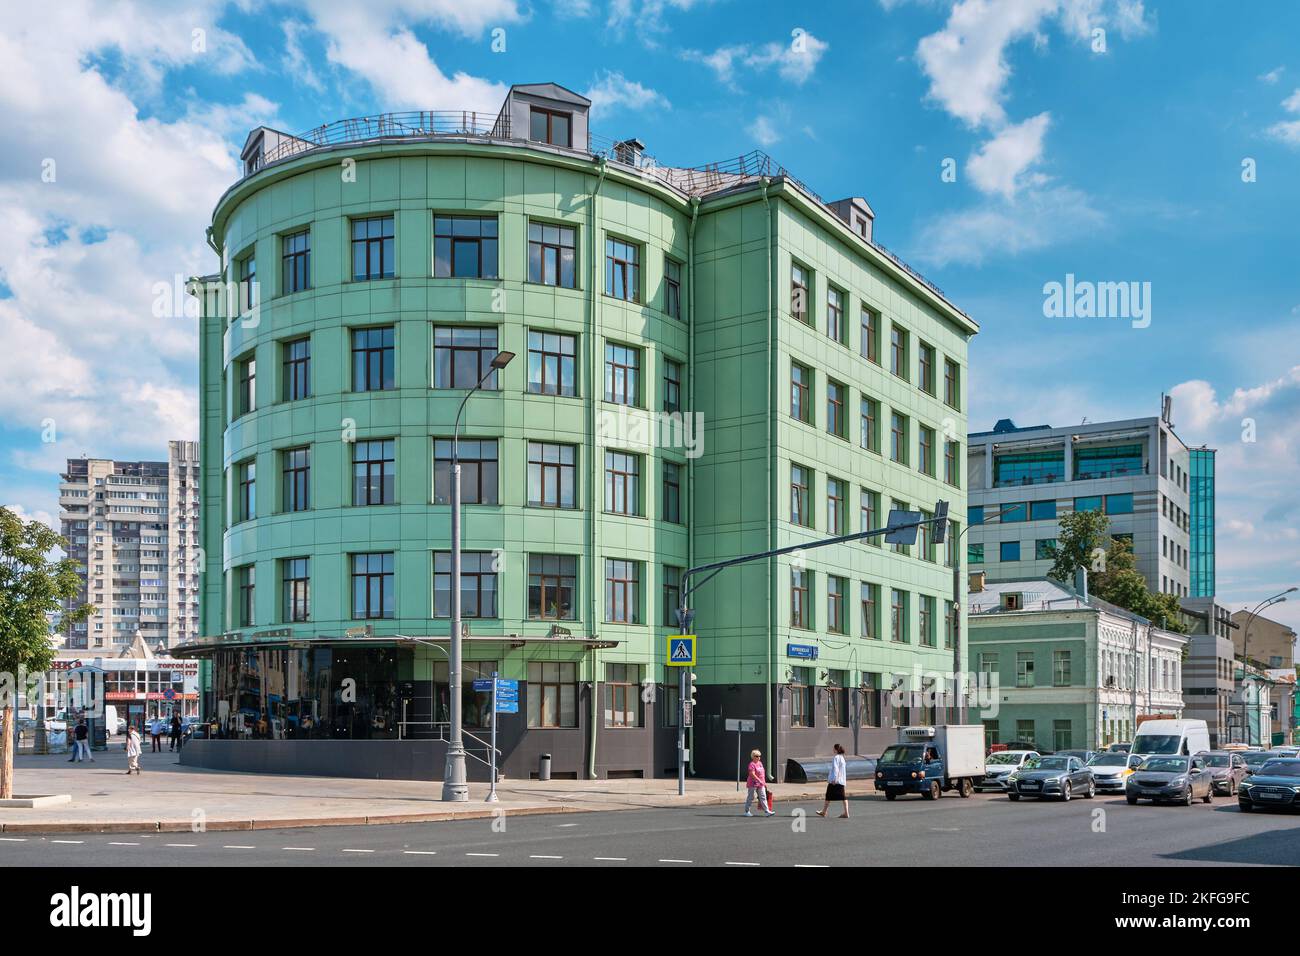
x,y
1052,776
1275,784
1170,780
1227,770
1257,758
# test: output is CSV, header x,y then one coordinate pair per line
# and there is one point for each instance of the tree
x,y
1122,584
31,587
1082,535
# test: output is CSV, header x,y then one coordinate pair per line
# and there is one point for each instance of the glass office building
x,y
1201,499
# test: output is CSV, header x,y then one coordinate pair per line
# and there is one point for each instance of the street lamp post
x,y
1245,653
455,787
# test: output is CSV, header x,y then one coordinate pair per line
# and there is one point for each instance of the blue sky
x,y
1119,160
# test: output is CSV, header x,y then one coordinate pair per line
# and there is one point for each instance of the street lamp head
x,y
502,359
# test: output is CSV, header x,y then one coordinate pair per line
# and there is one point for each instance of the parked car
x,y
1083,755
1121,747
1000,765
1053,776
1227,770
1287,751
1257,758
1275,784
1170,779
1111,769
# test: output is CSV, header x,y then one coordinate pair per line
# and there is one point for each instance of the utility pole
x,y
1245,654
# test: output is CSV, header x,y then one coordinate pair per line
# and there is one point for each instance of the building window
x,y
552,475
799,280
837,699
622,270
870,715
799,616
672,503
898,438
1062,735
949,625
622,374
801,392
869,508
247,272
1088,503
951,384
672,288
552,587
295,259
622,483
800,478
835,314
465,247
672,386
951,453
1061,676
897,616
1090,463
870,599
925,538
296,368
296,578
869,426
478,471
835,408
372,360
552,359
622,592
1028,468
672,594
925,368
1119,504
297,478
835,588
925,621
246,399
801,697
247,502
1024,668
988,665
1014,513
1009,551
622,695
870,335
462,357
896,505
372,585
372,248
245,595
552,694
548,126
925,450
1045,549
975,515
552,255
898,352
1042,510
478,584
835,506
374,472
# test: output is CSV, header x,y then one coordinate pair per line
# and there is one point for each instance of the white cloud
x,y
1001,165
614,92
795,60
1033,219
646,16
296,63
763,130
573,8
1272,76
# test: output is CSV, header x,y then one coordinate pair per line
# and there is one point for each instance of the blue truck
x,y
932,760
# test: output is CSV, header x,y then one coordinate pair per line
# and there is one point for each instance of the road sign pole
x,y
492,790
737,761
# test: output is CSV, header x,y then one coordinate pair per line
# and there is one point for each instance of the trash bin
x,y
544,767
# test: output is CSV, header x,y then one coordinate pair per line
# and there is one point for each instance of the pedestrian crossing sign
x,y
681,650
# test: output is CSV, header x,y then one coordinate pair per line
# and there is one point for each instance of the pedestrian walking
x,y
835,781
175,743
133,749
756,785
155,734
81,742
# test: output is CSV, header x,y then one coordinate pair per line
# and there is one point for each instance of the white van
x,y
1171,738
110,719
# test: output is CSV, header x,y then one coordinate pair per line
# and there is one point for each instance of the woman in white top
x,y
835,782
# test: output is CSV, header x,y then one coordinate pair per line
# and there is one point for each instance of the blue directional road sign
x,y
507,696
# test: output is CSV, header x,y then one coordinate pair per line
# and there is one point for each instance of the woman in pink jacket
x,y
756,784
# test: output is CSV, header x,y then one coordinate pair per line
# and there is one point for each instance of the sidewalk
x,y
168,797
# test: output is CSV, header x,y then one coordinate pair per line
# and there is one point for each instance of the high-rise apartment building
x,y
132,526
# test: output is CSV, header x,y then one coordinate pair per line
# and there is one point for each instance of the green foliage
x,y
31,585
1081,534
1123,585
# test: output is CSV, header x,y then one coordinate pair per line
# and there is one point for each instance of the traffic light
x,y
939,530
690,688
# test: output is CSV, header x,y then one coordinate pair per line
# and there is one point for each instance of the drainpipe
x,y
690,410
593,298
770,684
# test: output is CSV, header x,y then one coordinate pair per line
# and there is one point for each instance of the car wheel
x,y
1092,789
1013,797
965,788
1132,800
1067,791
890,795
1208,797
1243,806
1187,797
936,791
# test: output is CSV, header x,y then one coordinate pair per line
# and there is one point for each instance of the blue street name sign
x,y
807,652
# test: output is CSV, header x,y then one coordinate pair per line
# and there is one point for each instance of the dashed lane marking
x,y
238,846
482,854
420,852
734,863
543,856
611,859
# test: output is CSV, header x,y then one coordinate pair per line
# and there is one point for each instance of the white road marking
x,y
542,856
180,844
733,863
13,839
676,861
112,843
810,866
306,849
561,825
611,859
238,846
421,852
358,851
67,841
482,854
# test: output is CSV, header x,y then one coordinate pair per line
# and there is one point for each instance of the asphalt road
x,y
985,830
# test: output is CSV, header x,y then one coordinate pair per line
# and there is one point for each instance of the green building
x,y
1200,466
711,362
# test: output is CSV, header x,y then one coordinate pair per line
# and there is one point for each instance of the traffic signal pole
x,y
902,529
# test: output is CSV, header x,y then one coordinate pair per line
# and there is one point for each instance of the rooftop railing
x,y
698,181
